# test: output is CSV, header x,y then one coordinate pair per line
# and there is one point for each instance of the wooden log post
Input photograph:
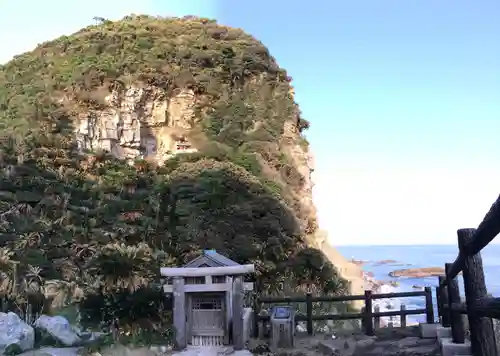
x,y
445,310
376,318
256,311
456,321
439,303
429,307
368,315
309,313
482,336
439,300
402,317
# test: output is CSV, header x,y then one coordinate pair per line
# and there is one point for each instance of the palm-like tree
x,y
28,240
61,293
8,275
118,266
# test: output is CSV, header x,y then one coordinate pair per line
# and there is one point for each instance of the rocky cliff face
x,y
147,122
140,123
303,160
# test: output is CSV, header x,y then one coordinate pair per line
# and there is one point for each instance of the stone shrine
x,y
208,301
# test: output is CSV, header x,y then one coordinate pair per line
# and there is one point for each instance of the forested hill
x,y
135,144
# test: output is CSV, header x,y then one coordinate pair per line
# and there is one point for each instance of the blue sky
x,y
403,98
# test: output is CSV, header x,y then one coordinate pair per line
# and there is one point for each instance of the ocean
x,y
417,256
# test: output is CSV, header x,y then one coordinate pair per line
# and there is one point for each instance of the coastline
x,y
371,283
385,286
361,279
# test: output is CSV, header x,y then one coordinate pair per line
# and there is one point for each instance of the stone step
x,y
428,331
449,348
443,332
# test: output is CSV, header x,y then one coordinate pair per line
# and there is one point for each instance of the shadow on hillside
x,y
211,205
221,206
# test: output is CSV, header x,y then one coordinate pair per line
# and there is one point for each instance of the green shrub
x,y
13,350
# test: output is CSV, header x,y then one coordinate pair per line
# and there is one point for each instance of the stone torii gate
x,y
208,295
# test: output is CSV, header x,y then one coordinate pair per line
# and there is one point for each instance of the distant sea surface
x,y
418,256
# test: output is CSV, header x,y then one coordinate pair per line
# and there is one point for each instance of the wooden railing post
x,y
376,319
402,317
368,317
255,316
367,314
439,304
443,301
309,313
482,336
457,324
428,305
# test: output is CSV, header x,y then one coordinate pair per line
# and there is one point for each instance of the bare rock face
x,y
303,160
139,122
146,122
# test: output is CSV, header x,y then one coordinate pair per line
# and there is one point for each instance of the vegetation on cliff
x,y
88,227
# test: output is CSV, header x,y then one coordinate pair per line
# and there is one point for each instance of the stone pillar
x,y
238,300
179,312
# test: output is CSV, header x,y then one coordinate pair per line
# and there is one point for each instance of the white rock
x,y
300,328
324,329
15,331
53,351
59,328
89,336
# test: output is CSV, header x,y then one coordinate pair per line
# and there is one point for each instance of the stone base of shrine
x,y
212,351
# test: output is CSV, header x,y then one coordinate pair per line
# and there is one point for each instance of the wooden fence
x,y
367,316
478,306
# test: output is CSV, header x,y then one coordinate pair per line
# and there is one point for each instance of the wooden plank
x,y
340,298
487,230
349,316
488,307
206,271
288,300
455,268
398,295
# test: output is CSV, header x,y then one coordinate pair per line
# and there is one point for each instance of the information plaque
x,y
282,312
